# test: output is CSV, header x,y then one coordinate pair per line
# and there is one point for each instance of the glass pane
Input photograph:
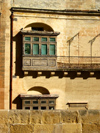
x,y
27,48
51,102
43,108
27,38
27,107
51,108
52,49
35,108
43,101
35,102
36,39
37,29
35,49
44,39
27,102
52,39
44,49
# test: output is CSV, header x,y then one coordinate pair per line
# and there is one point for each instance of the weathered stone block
x,y
91,128
71,128
3,117
69,117
19,116
35,117
4,128
21,128
50,117
43,128
92,116
58,128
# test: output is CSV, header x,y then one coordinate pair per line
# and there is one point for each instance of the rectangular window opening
x,y
52,49
44,49
51,108
43,108
27,38
27,102
52,39
36,39
35,102
27,48
35,108
51,102
43,102
35,49
27,107
44,39
37,28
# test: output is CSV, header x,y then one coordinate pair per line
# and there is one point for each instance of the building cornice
x,y
62,12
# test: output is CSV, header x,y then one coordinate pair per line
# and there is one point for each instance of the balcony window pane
x,y
35,102
43,102
27,38
52,39
51,102
44,49
43,108
44,39
27,102
36,39
52,49
35,108
51,108
27,107
27,48
35,49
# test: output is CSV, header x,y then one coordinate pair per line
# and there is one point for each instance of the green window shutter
x,y
27,48
44,39
52,39
52,49
36,39
44,49
27,38
35,49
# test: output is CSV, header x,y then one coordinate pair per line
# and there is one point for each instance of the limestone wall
x,y
58,121
70,88
57,4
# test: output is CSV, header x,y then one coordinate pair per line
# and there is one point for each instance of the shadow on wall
x,y
18,102
18,62
43,25
42,90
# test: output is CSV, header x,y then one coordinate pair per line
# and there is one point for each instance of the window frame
x,y
39,98
39,104
31,42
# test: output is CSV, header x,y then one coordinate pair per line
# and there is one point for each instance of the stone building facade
x,y
49,54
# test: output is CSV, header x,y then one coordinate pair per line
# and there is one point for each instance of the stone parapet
x,y
57,121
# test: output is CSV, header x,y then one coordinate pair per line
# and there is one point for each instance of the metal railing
x,y
78,62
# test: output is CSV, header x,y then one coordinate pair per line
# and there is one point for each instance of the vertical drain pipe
x,y
11,58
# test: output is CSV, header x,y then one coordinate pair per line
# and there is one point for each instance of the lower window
x,y
40,102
